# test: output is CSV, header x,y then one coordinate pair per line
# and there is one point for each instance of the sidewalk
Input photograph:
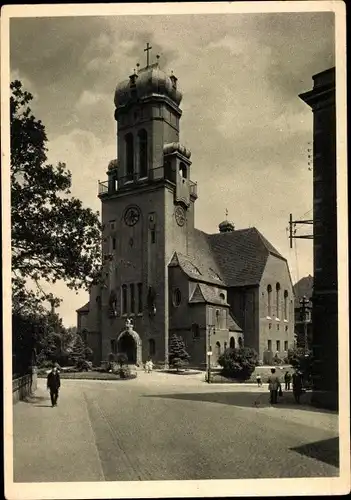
x,y
69,450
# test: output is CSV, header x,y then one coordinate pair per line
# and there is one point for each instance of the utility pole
x,y
292,232
209,352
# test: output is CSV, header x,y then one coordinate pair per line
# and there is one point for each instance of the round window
x,y
177,297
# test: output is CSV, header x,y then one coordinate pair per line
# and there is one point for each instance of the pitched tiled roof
x,y
207,294
84,308
232,324
241,255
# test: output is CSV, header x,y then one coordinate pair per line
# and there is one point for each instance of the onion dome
x,y
148,82
226,227
113,164
174,147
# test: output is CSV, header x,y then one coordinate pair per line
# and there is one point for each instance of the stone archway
x,y
129,342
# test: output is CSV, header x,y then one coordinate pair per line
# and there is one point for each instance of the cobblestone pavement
x,y
162,427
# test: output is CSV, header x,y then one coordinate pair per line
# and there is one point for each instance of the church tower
x,y
147,214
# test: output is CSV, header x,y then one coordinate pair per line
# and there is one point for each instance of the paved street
x,y
162,427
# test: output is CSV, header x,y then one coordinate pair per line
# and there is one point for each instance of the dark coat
x,y
53,381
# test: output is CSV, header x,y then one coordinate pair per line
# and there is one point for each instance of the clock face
x,y
179,214
131,216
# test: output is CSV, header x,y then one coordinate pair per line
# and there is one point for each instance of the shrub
x,y
124,372
178,356
302,361
83,365
122,359
88,353
111,357
277,360
238,363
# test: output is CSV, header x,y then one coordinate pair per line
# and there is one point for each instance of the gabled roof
x,y
232,324
198,265
84,308
241,255
206,294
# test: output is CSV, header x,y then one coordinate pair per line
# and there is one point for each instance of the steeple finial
x,y
148,48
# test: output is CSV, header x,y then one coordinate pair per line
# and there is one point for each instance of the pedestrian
x,y
287,380
150,365
274,386
297,386
53,385
259,380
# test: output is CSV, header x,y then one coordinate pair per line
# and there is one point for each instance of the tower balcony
x,y
113,186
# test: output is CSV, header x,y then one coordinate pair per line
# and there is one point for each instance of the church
x,y
161,275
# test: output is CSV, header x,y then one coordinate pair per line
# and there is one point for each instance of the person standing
x,y
273,386
53,385
149,365
287,380
259,381
297,386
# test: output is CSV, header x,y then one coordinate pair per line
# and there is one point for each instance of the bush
x,y
238,363
178,355
88,353
111,357
277,360
302,361
83,365
121,359
124,372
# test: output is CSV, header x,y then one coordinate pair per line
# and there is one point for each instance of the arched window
x,y
232,343
269,293
196,330
183,170
142,136
129,155
240,341
277,300
225,345
218,319
286,296
124,299
152,347
218,349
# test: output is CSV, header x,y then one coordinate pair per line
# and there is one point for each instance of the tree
x,y
53,236
238,363
177,354
302,361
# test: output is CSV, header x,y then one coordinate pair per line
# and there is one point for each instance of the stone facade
x,y
325,291
159,271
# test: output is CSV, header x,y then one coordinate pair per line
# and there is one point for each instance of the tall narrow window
x,y
183,170
224,319
152,347
218,349
278,345
210,316
269,294
129,155
140,298
269,345
286,296
285,345
113,243
142,136
232,343
218,316
153,236
277,300
132,298
195,330
124,299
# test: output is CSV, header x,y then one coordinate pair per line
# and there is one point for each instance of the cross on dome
x,y
148,48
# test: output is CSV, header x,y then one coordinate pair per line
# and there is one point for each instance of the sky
x,y
240,75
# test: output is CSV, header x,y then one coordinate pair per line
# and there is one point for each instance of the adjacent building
x,y
161,274
321,99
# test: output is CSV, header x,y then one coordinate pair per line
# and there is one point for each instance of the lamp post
x,y
209,352
303,307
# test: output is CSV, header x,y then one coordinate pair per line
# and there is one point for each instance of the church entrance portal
x,y
128,346
129,342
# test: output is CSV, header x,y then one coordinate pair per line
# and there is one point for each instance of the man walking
x,y
287,380
273,386
297,386
53,385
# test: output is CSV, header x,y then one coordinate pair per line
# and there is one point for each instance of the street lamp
x,y
211,328
304,302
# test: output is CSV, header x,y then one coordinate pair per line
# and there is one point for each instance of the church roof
x,y
84,308
241,255
232,324
304,287
206,293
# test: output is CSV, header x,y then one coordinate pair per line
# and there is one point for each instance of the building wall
x,y
244,305
276,326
